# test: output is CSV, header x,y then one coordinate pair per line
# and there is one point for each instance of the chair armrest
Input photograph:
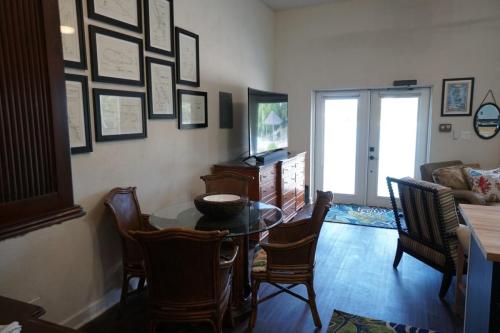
x,y
469,197
146,225
228,261
289,232
295,255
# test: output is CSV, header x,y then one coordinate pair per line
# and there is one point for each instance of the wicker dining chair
x,y
227,183
187,279
431,222
288,258
124,206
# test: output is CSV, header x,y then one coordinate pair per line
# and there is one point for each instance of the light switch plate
x,y
445,128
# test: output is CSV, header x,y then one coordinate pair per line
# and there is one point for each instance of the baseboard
x,y
94,310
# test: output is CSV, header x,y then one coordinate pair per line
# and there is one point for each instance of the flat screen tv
x,y
267,121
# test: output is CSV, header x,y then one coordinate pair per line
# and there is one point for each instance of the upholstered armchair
x,y
431,224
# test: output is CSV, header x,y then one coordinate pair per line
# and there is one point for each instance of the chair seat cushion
x,y
463,234
259,260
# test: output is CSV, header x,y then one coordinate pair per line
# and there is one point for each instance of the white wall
x,y
73,266
371,43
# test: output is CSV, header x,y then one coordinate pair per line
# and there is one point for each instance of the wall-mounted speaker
x,y
225,110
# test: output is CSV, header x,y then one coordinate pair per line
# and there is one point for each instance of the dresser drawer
x,y
267,190
267,175
288,196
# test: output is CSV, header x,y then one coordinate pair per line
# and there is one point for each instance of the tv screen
x,y
267,121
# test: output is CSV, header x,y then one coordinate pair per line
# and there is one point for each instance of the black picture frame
x,y
147,21
93,32
97,115
180,93
178,59
171,65
86,113
82,64
115,21
444,94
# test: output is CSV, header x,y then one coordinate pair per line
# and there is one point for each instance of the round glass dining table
x,y
256,217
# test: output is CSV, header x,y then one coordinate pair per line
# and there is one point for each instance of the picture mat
x,y
162,78
187,58
117,58
457,97
160,25
69,18
76,118
120,115
193,109
121,10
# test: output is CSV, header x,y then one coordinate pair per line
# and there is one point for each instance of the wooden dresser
x,y
281,183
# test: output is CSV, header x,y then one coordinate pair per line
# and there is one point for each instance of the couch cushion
x,y
259,260
453,176
485,182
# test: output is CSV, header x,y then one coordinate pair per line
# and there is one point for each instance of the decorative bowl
x,y
221,206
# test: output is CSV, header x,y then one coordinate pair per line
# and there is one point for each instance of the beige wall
x,y
369,44
75,267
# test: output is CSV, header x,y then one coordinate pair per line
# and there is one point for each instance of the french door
x,y
363,136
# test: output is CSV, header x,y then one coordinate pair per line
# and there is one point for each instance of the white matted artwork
x,y
188,62
192,109
161,89
119,115
70,13
159,22
122,13
457,97
78,113
116,58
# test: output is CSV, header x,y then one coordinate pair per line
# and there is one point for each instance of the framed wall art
x,y
121,13
73,41
161,89
159,23
457,97
193,111
116,58
187,57
119,115
77,104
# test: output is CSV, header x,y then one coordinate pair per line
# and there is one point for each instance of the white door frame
x,y
316,146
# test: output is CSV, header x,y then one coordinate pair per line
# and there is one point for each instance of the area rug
x,y
343,322
362,215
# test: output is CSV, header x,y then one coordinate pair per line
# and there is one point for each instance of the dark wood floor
x,y
353,274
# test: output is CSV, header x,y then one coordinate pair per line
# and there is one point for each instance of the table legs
x,y
482,305
240,304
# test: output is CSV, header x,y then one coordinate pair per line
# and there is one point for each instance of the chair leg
x,y
124,293
445,284
153,325
312,303
253,315
399,255
459,274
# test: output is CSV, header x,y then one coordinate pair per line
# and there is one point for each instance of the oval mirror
x,y
487,121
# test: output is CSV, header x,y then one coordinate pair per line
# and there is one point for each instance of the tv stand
x,y
280,183
272,156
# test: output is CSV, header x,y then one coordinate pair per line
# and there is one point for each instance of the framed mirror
x,y
487,121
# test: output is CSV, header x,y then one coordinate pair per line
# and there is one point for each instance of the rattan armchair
x,y
289,258
187,279
227,183
124,206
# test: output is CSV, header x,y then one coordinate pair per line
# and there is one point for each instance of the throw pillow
x,y
485,182
453,176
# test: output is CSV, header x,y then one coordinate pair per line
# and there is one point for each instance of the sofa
x,y
461,192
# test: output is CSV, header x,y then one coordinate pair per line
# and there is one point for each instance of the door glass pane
x,y
398,139
339,169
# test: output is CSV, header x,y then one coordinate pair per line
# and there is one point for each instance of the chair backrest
x,y
124,206
227,183
182,266
429,212
427,169
321,208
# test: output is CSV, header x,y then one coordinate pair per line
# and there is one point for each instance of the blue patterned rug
x,y
343,322
362,215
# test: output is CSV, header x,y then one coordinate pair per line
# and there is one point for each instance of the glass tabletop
x,y
255,217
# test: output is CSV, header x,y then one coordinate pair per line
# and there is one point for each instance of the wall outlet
x,y
445,128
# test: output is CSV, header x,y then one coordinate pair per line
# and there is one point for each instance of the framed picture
x,y
73,41
457,97
116,58
121,13
159,22
193,112
119,115
77,104
161,89
187,57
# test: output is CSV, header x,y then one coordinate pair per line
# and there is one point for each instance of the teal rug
x,y
343,322
362,215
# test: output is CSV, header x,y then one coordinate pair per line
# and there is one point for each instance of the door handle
x,y
372,158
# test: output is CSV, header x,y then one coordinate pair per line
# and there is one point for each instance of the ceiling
x,y
287,4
